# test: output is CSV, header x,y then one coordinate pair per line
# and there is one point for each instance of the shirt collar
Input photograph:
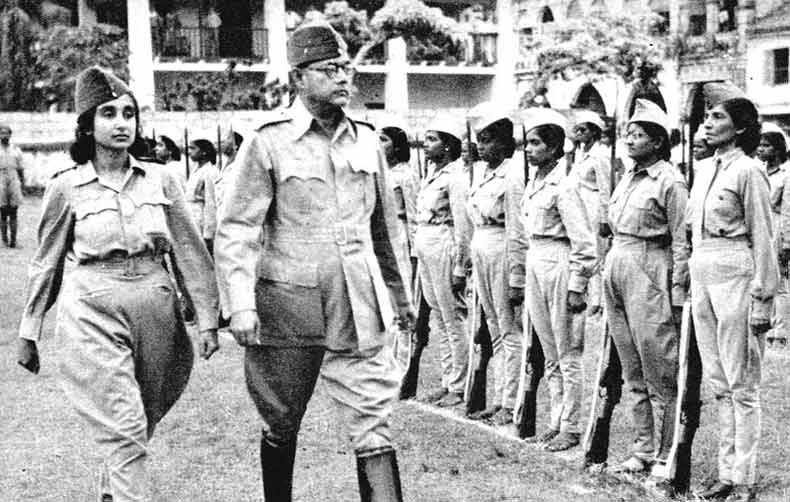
x,y
652,170
727,158
303,121
86,173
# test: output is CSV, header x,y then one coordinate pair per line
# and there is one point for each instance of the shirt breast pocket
x,y
97,223
303,186
726,209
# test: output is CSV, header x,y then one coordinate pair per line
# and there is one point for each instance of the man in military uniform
x,y
306,247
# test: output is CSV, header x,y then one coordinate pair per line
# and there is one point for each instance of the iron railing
x,y
211,44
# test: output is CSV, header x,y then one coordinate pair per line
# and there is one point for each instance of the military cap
x,y
647,111
448,125
314,42
95,86
588,116
535,117
486,114
717,92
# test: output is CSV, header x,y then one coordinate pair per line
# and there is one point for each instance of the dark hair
x,y
554,138
452,143
400,143
744,116
655,131
84,147
238,139
175,152
207,148
594,130
502,130
777,140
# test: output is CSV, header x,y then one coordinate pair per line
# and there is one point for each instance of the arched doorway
x,y
588,98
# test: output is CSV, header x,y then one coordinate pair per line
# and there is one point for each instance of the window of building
x,y
661,25
574,10
698,24
546,16
781,75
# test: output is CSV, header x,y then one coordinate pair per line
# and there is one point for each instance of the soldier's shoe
x,y
434,396
742,493
450,399
719,490
484,414
543,437
503,417
661,487
563,441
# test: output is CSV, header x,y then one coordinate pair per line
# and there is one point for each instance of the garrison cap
x,y
449,125
314,42
588,116
647,111
717,92
96,86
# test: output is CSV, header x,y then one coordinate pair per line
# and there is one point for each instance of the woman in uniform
x,y
201,189
166,152
561,257
594,170
498,277
734,277
442,245
126,356
644,281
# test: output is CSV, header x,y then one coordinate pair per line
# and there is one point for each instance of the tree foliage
x,y
599,44
17,35
64,51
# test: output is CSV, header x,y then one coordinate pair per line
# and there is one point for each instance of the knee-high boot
x,y
379,479
277,467
4,226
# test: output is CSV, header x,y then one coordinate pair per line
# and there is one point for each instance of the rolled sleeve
x,y
237,245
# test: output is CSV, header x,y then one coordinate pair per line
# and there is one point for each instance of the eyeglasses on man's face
x,y
331,70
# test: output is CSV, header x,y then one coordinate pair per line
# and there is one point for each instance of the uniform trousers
x,y
126,360
363,387
561,333
721,275
637,299
435,252
490,274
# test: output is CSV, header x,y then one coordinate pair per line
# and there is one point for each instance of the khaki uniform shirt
x,y
405,181
84,219
494,200
731,199
326,271
202,200
594,170
553,208
11,172
442,201
650,204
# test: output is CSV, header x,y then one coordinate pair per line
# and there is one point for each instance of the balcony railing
x,y
474,49
211,44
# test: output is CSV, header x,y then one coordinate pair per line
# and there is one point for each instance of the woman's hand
x,y
27,355
244,326
576,302
208,343
759,317
516,296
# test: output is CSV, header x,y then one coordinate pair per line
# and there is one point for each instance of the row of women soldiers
x,y
548,241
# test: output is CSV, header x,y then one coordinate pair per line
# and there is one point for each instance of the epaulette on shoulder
x,y
62,170
274,118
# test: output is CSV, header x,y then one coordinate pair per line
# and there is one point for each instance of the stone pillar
x,y
141,65
86,15
711,17
745,18
504,85
274,22
396,85
679,17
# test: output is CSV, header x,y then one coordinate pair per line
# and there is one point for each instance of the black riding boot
x,y
3,226
277,466
379,479
12,225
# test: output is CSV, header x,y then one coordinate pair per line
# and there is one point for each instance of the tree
x,y
17,35
599,45
64,51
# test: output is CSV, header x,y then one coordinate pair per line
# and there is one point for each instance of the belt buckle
x,y
341,234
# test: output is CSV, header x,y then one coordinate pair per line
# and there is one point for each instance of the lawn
x,y
206,449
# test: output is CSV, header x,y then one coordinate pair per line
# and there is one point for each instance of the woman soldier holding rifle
x,y
560,259
734,276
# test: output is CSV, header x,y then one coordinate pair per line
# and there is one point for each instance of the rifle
x,y
186,152
533,364
607,394
408,388
476,375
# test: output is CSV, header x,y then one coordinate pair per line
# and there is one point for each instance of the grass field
x,y
206,449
